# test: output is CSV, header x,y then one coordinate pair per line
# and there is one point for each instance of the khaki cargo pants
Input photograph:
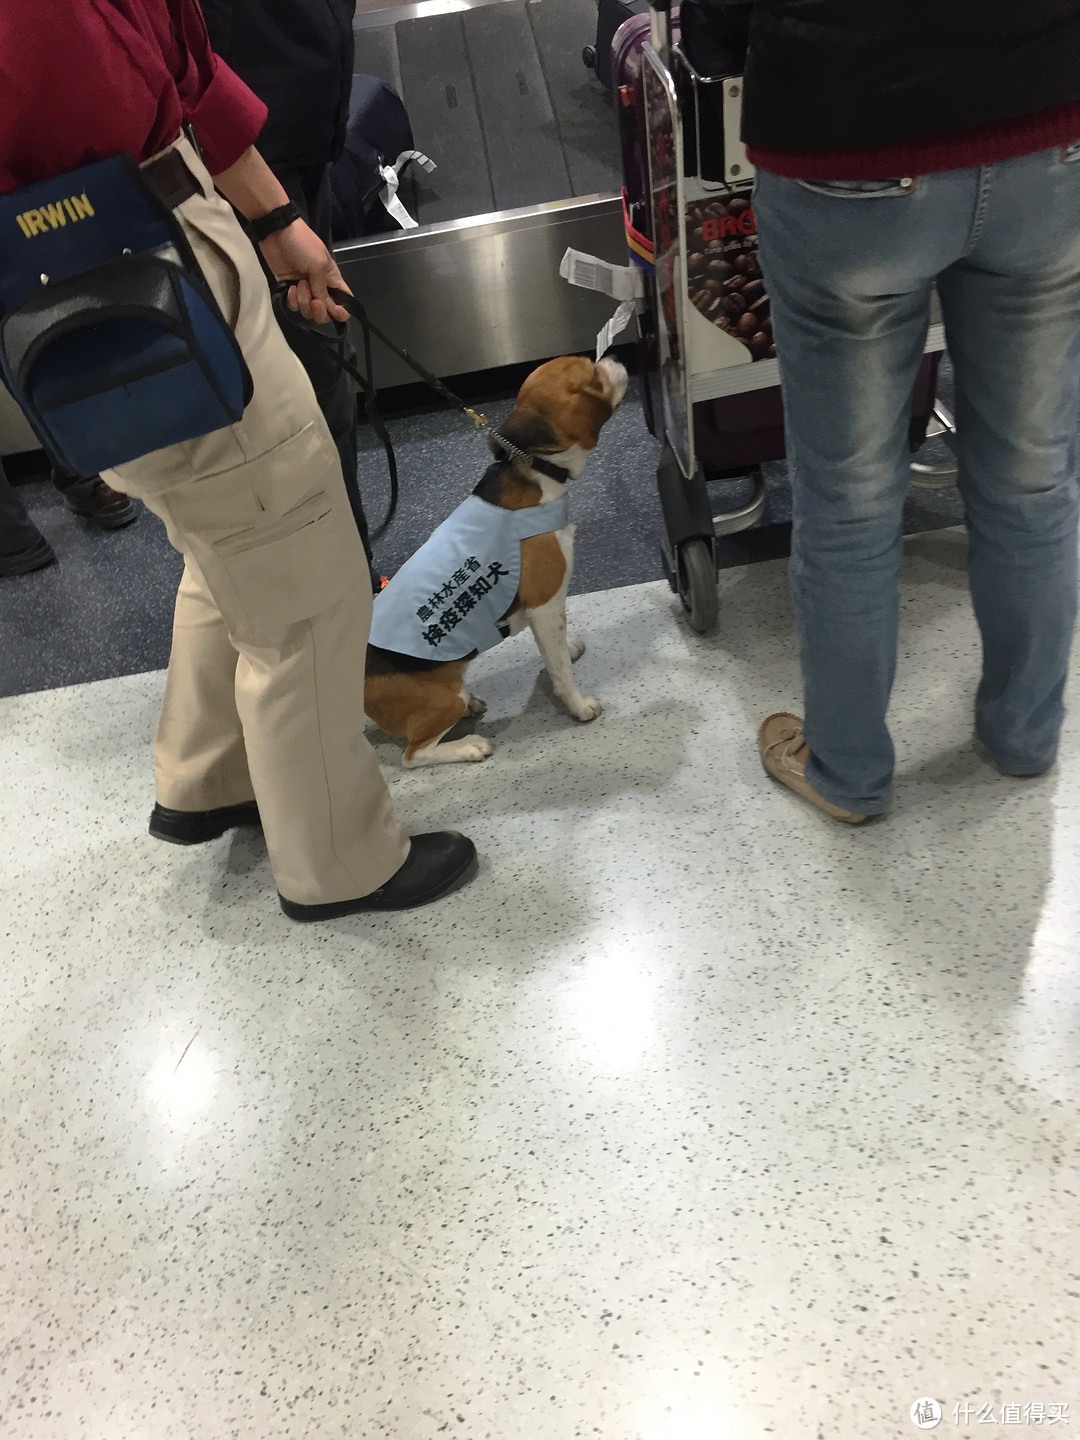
x,y
265,691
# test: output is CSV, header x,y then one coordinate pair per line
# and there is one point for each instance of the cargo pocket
x,y
293,549
292,569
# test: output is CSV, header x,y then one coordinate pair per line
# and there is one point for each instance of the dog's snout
x,y
616,378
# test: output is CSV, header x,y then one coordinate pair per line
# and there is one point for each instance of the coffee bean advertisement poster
x,y
724,281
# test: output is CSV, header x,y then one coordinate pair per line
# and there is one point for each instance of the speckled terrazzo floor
x,y
696,1117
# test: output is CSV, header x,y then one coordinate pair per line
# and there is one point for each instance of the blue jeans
x,y
850,266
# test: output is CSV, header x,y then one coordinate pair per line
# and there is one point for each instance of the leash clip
x,y
478,419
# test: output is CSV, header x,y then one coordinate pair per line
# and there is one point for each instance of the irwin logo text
x,y
51,217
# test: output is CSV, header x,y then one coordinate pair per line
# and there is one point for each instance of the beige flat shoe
x,y
783,752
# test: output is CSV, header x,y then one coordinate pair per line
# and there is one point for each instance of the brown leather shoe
x,y
783,752
101,504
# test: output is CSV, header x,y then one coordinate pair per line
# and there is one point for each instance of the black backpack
x,y
378,132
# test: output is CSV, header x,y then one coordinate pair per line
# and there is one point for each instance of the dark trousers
x,y
309,189
17,531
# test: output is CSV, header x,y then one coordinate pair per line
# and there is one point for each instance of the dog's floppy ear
x,y
528,431
588,410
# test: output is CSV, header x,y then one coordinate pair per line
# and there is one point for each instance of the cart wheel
x,y
588,57
697,585
671,569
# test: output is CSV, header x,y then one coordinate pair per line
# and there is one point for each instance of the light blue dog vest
x,y
447,600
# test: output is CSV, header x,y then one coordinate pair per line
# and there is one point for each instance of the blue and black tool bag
x,y
110,338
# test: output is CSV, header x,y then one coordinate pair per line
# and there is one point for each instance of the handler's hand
x,y
296,253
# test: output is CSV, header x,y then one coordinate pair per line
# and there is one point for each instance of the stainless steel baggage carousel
x,y
526,147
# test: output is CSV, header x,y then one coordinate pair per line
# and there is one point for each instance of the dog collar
x,y
559,473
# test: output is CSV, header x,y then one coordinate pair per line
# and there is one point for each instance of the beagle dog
x,y
502,561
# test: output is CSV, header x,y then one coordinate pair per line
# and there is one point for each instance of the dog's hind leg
x,y
431,752
445,706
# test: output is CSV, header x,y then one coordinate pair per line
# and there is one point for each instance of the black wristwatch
x,y
270,224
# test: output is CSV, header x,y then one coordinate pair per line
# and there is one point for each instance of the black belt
x,y
170,180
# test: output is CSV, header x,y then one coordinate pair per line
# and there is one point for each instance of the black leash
x,y
357,311
479,419
366,382
336,343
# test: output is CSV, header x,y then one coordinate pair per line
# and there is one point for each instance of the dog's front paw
x,y
576,647
475,706
585,708
476,748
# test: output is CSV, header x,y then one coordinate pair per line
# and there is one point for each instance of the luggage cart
x,y
706,350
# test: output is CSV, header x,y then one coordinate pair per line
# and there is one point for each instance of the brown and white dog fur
x,y
559,413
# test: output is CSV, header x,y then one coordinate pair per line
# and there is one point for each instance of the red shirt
x,y
89,79
983,145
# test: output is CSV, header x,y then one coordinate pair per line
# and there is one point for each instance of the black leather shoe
x,y
193,827
23,561
102,504
437,864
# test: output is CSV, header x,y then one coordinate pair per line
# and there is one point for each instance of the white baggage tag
x,y
615,326
621,282
391,175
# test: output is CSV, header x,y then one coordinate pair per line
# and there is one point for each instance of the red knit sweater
x,y
982,145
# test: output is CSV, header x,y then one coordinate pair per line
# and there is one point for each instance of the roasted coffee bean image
x,y
724,281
